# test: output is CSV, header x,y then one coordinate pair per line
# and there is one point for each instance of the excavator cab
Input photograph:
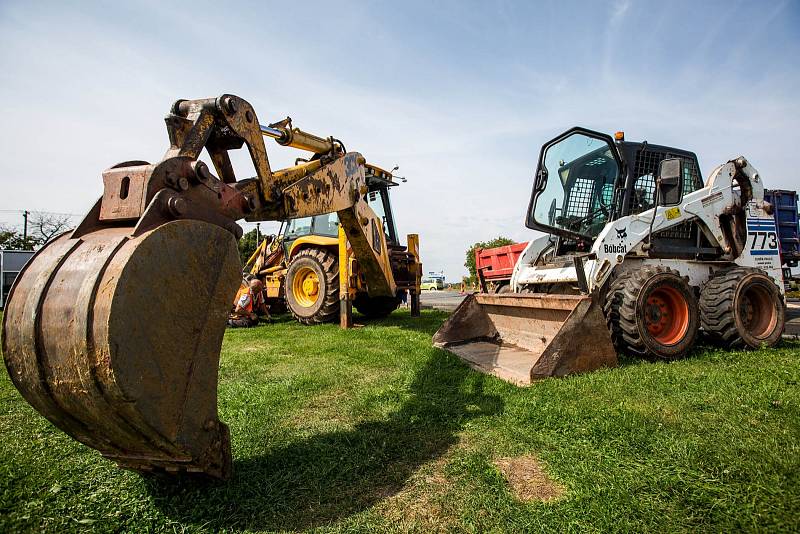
x,y
327,224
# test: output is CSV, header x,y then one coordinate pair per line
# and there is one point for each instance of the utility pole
x,y
258,234
25,225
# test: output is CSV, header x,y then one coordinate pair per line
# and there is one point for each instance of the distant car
x,y
431,284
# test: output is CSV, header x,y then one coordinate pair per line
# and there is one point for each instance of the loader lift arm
x,y
113,331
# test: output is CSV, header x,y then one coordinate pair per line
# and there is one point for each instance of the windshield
x,y
378,201
298,227
327,225
577,197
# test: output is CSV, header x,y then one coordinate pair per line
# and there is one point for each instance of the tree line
x,y
41,228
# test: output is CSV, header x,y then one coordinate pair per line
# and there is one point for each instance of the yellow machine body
x,y
113,330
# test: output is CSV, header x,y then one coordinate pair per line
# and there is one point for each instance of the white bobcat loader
x,y
640,256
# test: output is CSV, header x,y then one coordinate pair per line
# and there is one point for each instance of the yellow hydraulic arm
x,y
362,226
113,331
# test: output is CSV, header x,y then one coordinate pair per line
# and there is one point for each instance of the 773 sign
x,y
763,237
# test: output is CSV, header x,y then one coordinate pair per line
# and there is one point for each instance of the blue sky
x,y
460,95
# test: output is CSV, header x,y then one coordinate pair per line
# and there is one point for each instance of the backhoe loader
x,y
640,256
311,263
113,330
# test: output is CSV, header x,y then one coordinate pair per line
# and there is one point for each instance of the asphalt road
x,y
441,300
793,318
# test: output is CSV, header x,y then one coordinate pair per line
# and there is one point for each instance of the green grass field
x,y
375,430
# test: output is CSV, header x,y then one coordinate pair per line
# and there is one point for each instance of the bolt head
x,y
230,105
201,171
177,206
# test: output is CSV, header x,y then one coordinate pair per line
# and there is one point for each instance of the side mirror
x,y
670,182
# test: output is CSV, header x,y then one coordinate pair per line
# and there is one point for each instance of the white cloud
x,y
84,90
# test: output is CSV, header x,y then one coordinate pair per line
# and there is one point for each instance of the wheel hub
x,y
666,315
658,315
311,286
305,287
757,311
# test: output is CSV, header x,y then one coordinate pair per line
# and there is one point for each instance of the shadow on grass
x,y
328,477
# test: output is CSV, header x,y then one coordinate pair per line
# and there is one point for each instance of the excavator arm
x,y
113,330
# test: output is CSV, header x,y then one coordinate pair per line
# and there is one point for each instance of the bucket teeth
x,y
116,341
524,337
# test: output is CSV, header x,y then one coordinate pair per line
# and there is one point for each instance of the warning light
x,y
619,136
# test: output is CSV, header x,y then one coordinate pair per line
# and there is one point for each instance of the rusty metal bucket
x,y
524,337
115,339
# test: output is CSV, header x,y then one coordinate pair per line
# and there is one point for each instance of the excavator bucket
x,y
115,339
113,331
524,337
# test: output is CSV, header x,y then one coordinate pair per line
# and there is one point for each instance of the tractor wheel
x,y
312,286
277,306
375,307
503,288
742,306
652,312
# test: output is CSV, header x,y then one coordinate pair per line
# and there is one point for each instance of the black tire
x,y
277,306
652,312
503,288
325,265
742,307
375,307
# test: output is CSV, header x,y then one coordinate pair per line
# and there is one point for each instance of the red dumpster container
x,y
496,264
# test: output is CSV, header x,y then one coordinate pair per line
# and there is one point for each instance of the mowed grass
x,y
375,430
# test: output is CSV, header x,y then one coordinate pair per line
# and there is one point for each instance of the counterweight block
x,y
116,339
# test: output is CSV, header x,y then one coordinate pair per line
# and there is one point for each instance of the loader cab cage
x,y
576,187
641,167
584,180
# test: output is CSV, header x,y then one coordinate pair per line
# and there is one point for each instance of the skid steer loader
x,y
113,330
311,263
639,256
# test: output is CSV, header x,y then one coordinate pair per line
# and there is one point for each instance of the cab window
x,y
645,169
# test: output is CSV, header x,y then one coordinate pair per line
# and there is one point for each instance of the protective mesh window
x,y
646,167
580,197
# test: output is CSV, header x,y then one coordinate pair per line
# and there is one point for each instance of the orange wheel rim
x,y
666,315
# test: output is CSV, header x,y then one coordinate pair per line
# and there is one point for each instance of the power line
x,y
43,211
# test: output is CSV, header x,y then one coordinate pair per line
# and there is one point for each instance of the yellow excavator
x,y
113,330
310,263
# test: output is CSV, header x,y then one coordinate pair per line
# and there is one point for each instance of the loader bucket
x,y
115,339
524,337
